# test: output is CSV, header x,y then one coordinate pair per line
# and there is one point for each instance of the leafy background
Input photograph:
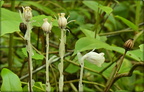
x,y
100,25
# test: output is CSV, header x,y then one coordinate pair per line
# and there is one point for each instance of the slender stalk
x,y
61,53
10,57
48,88
137,16
114,73
29,51
81,75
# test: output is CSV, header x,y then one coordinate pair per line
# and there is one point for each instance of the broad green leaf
x,y
39,20
91,4
41,7
87,32
127,22
9,26
9,15
137,54
141,47
72,69
10,21
94,6
106,9
11,81
1,2
35,56
87,43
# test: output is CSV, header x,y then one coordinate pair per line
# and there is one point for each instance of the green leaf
x,y
1,2
9,27
106,9
87,43
72,69
41,7
10,21
9,15
94,6
127,22
91,4
141,47
11,81
87,32
39,20
35,56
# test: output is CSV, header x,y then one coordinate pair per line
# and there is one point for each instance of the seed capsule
x,y
23,28
62,21
129,44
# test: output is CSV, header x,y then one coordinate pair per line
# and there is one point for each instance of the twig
x,y
130,72
114,73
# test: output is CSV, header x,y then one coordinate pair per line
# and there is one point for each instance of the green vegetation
x,y
101,26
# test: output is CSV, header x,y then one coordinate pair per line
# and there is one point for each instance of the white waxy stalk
x,y
47,29
62,22
94,58
27,15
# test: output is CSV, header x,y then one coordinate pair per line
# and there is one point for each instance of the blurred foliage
x,y
111,22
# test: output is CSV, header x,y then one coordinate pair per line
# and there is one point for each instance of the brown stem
x,y
130,72
114,73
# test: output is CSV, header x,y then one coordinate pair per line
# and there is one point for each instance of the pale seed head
x,y
62,21
27,13
46,26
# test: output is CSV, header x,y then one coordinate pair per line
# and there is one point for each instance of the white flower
x,y
62,21
46,26
27,14
94,58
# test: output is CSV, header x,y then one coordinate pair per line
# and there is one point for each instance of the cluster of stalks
x,y
92,57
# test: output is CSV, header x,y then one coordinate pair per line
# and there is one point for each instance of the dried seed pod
x,y
129,44
23,28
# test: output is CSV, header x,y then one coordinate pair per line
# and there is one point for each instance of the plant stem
x,y
29,51
137,13
114,73
48,88
81,75
61,53
10,57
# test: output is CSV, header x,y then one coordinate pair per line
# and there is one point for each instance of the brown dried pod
x,y
129,44
23,27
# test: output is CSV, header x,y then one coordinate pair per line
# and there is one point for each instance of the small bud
x,y
27,13
23,28
129,44
46,26
62,21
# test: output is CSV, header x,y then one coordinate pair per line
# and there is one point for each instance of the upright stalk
x,y
137,16
61,53
81,76
10,57
26,26
48,87
29,51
